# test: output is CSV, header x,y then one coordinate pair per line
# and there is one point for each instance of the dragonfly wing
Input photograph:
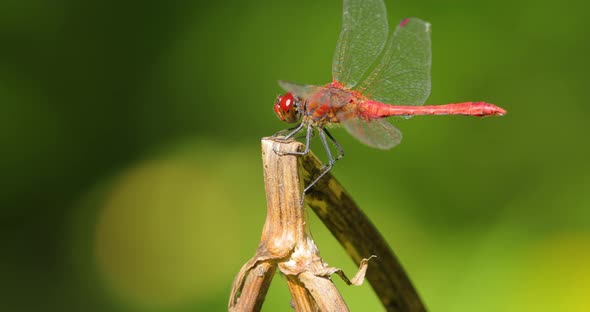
x,y
304,91
362,38
377,133
402,75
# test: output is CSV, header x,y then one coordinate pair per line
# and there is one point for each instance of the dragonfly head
x,y
287,108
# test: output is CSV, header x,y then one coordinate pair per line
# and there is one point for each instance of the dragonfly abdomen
x,y
373,109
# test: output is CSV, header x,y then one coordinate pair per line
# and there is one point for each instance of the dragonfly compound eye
x,y
286,102
286,109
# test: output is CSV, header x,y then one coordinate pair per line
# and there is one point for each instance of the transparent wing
x,y
377,133
304,91
403,74
363,35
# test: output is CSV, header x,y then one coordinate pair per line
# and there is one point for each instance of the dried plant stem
x,y
286,242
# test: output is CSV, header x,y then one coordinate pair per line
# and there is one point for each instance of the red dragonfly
x,y
368,71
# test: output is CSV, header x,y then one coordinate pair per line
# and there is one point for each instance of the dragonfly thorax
x,y
287,108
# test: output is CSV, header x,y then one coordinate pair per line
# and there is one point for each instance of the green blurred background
x,y
130,163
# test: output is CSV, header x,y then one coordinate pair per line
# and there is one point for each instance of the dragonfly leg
x,y
291,131
308,136
331,160
338,146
